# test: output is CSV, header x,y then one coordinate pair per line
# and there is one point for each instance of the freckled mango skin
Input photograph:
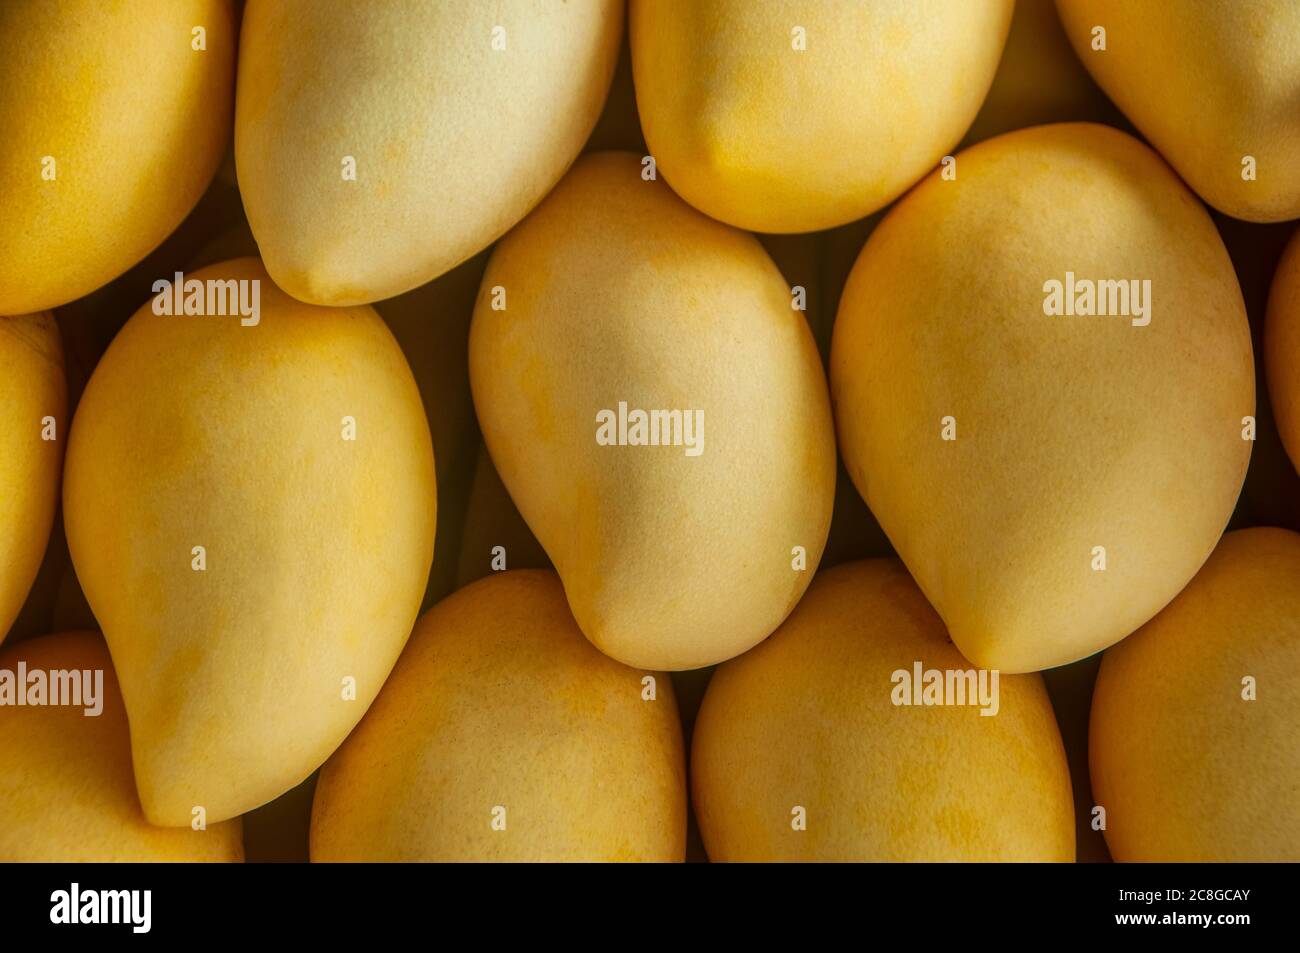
x,y
1072,432
1207,83
454,141
769,138
616,290
1282,348
32,387
197,431
1186,768
806,719
135,119
498,700
67,794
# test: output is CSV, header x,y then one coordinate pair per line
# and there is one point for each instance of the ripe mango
x,y
379,145
113,125
788,116
244,665
1282,348
806,728
67,794
673,556
33,405
1213,86
1192,744
1051,480
503,735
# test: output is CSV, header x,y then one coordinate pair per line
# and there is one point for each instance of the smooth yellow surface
x,y
197,431
498,701
1187,769
1073,432
806,720
32,387
1282,348
616,290
66,791
1207,82
773,139
454,141
135,119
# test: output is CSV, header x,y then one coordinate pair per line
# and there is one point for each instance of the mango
x,y
788,116
380,145
812,746
502,735
1282,348
114,122
251,513
1213,86
1043,385
67,794
674,455
33,407
1192,743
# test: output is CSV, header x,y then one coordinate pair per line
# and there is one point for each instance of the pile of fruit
x,y
588,430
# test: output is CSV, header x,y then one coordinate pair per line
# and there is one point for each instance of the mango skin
x,y
197,431
135,119
1187,769
498,700
1282,348
806,719
32,386
669,561
1072,432
67,794
454,142
769,138
1206,83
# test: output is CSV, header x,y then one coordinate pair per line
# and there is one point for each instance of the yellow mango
x,y
33,407
502,735
811,747
67,794
1213,86
616,299
113,124
797,116
1192,743
379,145
256,572
1282,348
1051,478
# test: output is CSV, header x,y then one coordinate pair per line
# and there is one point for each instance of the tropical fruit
x,y
820,745
1044,389
496,536
380,145
1282,348
67,794
797,117
33,429
503,735
1211,85
251,512
114,117
672,449
1192,742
